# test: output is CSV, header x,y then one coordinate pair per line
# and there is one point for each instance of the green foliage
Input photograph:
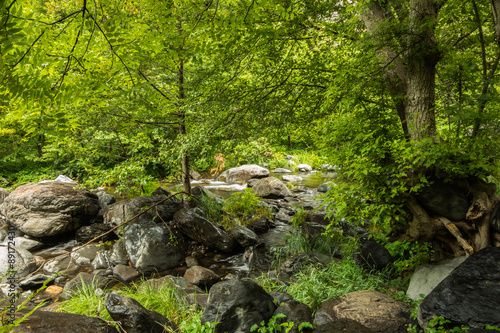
x,y
272,326
299,217
246,206
409,255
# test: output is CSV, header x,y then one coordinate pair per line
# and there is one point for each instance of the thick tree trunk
x,y
422,58
186,184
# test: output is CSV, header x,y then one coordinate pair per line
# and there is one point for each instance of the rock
x,y
34,281
261,225
3,194
53,290
324,187
134,317
495,221
191,261
295,312
121,211
237,305
271,187
101,261
55,322
318,217
343,325
251,182
23,262
427,277
370,308
85,255
185,291
27,244
200,191
244,236
285,215
294,265
201,276
445,200
118,255
281,170
65,179
62,265
125,273
290,157
203,231
293,179
243,173
328,167
470,295
89,232
48,209
85,280
304,168
372,255
152,247
105,199
280,297
312,230
194,175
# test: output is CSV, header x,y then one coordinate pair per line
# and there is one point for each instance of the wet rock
x,y
121,211
61,264
445,200
102,260
125,273
295,312
343,325
304,168
27,244
372,255
427,277
203,231
134,317
55,322
85,280
271,187
24,262
85,255
370,308
34,281
237,305
152,247
90,232
470,295
48,209
244,236
201,276
281,170
293,179
243,173
118,255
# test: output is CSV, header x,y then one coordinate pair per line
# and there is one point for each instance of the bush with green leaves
x,y
409,255
271,326
246,206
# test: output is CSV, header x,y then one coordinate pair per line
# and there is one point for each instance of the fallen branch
x,y
455,232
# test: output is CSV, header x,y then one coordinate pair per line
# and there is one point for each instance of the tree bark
x,y
495,8
186,184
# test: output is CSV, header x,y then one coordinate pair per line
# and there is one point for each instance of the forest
x,y
399,97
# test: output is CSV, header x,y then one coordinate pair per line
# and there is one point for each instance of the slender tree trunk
x,y
423,56
495,8
182,131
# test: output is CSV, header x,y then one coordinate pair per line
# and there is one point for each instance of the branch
x,y
29,49
455,232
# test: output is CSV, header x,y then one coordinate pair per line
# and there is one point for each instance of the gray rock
x,y
427,277
65,179
152,247
290,157
324,187
244,236
470,295
3,194
118,255
200,191
281,170
48,209
293,265
90,232
194,175
201,276
24,262
251,182
27,244
297,313
243,173
261,225
125,273
293,179
445,200
63,265
122,211
85,280
271,187
191,261
105,199
85,255
101,261
237,305
495,221
370,308
34,281
55,322
134,317
304,168
203,231
343,325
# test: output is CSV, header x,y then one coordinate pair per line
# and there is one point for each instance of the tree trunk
x,y
495,8
423,56
182,132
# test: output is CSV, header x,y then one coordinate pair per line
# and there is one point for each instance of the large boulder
x,y
152,247
427,277
119,212
271,187
203,231
48,209
134,317
243,173
22,262
372,255
237,305
55,322
445,200
470,295
370,308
